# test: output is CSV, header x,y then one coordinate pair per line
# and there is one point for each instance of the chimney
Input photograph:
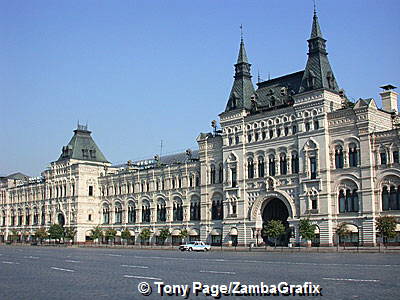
x,y
389,98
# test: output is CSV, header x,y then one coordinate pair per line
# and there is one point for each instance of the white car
x,y
195,246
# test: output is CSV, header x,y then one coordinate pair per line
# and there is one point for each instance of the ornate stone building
x,y
292,148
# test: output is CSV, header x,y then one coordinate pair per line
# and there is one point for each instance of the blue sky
x,y
143,71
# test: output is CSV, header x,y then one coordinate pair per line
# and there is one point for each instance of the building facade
x,y
293,147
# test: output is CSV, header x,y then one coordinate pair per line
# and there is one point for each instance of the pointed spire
x,y
242,89
318,73
242,57
316,30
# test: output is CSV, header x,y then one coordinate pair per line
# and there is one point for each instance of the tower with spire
x,y
318,73
242,89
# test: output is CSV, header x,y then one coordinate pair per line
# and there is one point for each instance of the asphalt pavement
x,y
90,273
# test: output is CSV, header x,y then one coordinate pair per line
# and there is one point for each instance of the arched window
x,y
195,208
353,156
271,134
220,173
35,216
27,216
230,141
316,125
131,213
250,168
146,211
118,213
294,129
237,140
308,126
339,157
216,210
212,174
286,129
391,198
283,164
106,214
4,218
263,135
12,221
271,165
20,217
342,202
161,211
43,221
385,198
261,168
348,201
295,163
177,210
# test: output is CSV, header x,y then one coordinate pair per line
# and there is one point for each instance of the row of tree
x,y
385,225
110,234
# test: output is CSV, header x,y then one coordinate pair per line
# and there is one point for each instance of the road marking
x,y
218,272
66,270
139,267
142,277
265,262
113,254
32,257
351,279
72,261
10,262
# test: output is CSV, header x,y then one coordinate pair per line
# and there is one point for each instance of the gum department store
x,y
294,147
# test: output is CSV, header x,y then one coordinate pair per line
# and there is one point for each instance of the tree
x,y
110,234
273,229
307,230
145,235
342,232
184,234
96,233
164,234
386,226
41,234
69,233
14,235
56,232
126,235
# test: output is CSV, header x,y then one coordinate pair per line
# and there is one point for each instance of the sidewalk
x,y
389,249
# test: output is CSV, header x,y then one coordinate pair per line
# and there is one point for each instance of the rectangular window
x,y
89,217
396,157
313,167
234,177
383,158
90,190
314,204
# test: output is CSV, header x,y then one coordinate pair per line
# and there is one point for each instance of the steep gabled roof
x,y
318,73
82,147
242,89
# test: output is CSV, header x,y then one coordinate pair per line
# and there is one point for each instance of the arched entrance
x,y
61,219
275,209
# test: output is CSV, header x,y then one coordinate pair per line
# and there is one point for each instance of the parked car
x,y
195,246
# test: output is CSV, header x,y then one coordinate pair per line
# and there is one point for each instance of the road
x,y
90,273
